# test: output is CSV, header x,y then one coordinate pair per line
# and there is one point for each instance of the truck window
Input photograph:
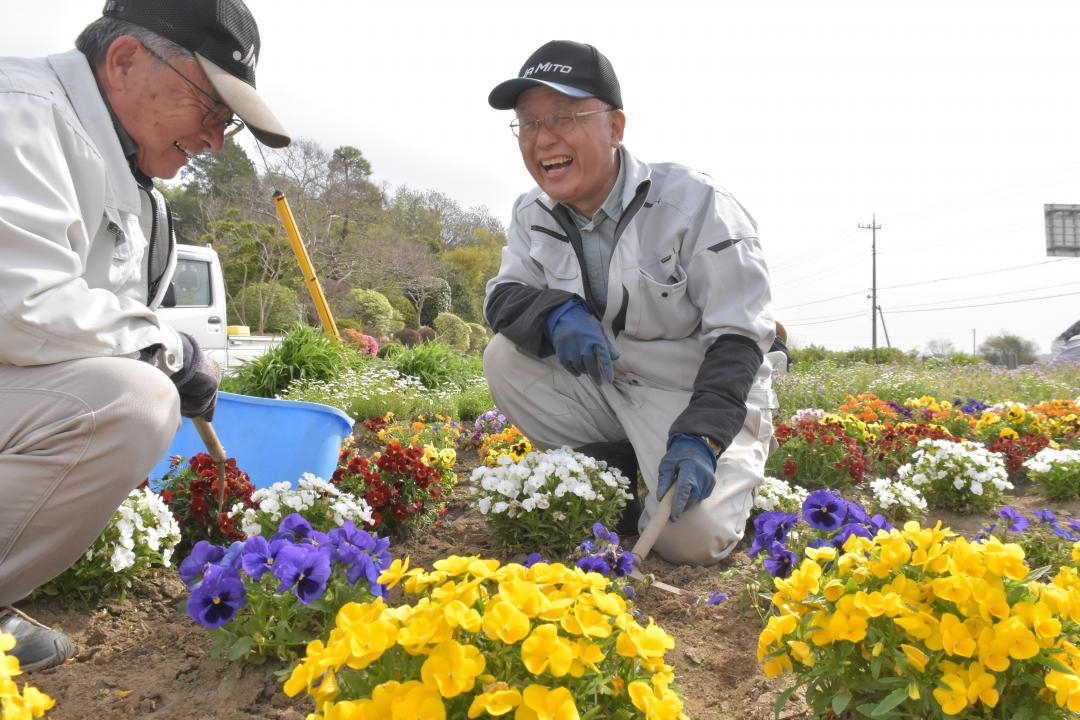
x,y
192,283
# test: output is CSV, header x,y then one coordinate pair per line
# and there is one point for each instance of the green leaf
x,y
866,709
875,667
891,700
840,701
782,700
1053,665
240,648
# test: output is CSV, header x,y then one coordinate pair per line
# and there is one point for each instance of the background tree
x,y
267,307
940,347
452,330
1008,350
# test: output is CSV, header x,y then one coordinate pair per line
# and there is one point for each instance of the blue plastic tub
x,y
272,440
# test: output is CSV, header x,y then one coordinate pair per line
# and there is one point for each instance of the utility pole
x,y
887,343
873,227
973,342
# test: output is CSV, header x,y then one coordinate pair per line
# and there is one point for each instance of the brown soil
x,y
142,657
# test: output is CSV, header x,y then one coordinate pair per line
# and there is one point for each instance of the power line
x,y
961,277
994,295
817,302
981,305
824,322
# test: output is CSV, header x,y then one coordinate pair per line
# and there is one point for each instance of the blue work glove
x,y
580,343
197,381
689,464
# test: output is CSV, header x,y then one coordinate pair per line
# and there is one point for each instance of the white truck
x,y
199,309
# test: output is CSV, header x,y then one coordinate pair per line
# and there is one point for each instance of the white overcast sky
x,y
952,121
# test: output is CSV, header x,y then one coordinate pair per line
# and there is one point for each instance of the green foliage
x,y
474,400
405,311
1009,350
468,268
453,331
435,364
389,349
304,353
374,312
879,356
267,307
478,338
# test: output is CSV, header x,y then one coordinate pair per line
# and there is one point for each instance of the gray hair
x,y
95,39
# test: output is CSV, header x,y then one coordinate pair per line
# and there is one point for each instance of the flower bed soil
x,y
141,656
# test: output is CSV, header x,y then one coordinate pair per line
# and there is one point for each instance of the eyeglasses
x,y
558,123
218,114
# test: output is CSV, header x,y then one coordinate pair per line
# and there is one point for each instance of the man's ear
x,y
618,124
123,55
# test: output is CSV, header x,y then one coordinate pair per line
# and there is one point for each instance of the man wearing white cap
x,y
632,308
92,383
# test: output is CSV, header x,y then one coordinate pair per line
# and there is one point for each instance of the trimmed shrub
x,y
428,334
267,307
408,337
478,338
453,331
374,312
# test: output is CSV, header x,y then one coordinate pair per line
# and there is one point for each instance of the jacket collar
x,y
74,73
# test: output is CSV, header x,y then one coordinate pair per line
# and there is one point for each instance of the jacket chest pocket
x,y
559,264
126,242
661,308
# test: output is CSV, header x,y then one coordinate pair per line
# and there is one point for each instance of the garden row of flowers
x,y
870,620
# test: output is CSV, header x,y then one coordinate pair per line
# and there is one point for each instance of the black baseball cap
x,y
225,39
568,67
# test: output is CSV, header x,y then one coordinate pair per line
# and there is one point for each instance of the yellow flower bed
x,y
482,639
15,705
921,623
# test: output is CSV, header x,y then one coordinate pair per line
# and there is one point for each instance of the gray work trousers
x,y
75,439
554,409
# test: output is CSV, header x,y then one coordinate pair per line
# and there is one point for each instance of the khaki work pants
x,y
553,408
75,438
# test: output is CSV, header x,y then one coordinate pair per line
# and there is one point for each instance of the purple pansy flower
x,y
259,555
1015,521
780,560
293,527
716,597
204,553
1045,515
305,569
824,510
769,527
217,598
532,559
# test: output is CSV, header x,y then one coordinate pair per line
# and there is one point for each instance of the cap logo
x,y
548,67
248,59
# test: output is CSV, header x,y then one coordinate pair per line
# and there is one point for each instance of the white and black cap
x,y
225,39
568,67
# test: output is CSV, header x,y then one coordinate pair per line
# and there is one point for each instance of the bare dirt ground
x,y
141,656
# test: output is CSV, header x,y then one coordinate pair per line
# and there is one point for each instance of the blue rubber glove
x,y
580,343
689,464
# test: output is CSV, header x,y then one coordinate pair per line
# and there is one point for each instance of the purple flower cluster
x,y
603,555
823,510
299,557
971,406
1016,522
493,421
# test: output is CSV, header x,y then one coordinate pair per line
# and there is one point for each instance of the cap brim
x,y
505,95
248,106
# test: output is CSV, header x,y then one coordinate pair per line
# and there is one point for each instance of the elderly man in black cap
x,y
632,309
92,383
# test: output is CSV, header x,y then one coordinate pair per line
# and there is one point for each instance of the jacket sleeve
x,y
729,281
52,199
517,299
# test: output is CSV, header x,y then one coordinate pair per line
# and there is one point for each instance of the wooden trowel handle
x,y
213,446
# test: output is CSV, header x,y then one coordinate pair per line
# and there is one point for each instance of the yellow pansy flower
x,y
545,650
451,668
541,703
504,621
951,694
497,700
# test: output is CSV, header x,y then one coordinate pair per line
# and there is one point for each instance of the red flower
x,y
789,468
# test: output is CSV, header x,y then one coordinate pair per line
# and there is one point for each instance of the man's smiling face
x,y
578,166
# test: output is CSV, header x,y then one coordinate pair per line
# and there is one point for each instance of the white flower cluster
x,y
530,484
142,522
897,497
371,382
777,494
1048,459
964,464
811,415
280,499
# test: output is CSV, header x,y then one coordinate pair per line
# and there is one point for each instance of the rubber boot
x,y
620,454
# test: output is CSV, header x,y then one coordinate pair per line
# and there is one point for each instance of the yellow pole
x,y
305,265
